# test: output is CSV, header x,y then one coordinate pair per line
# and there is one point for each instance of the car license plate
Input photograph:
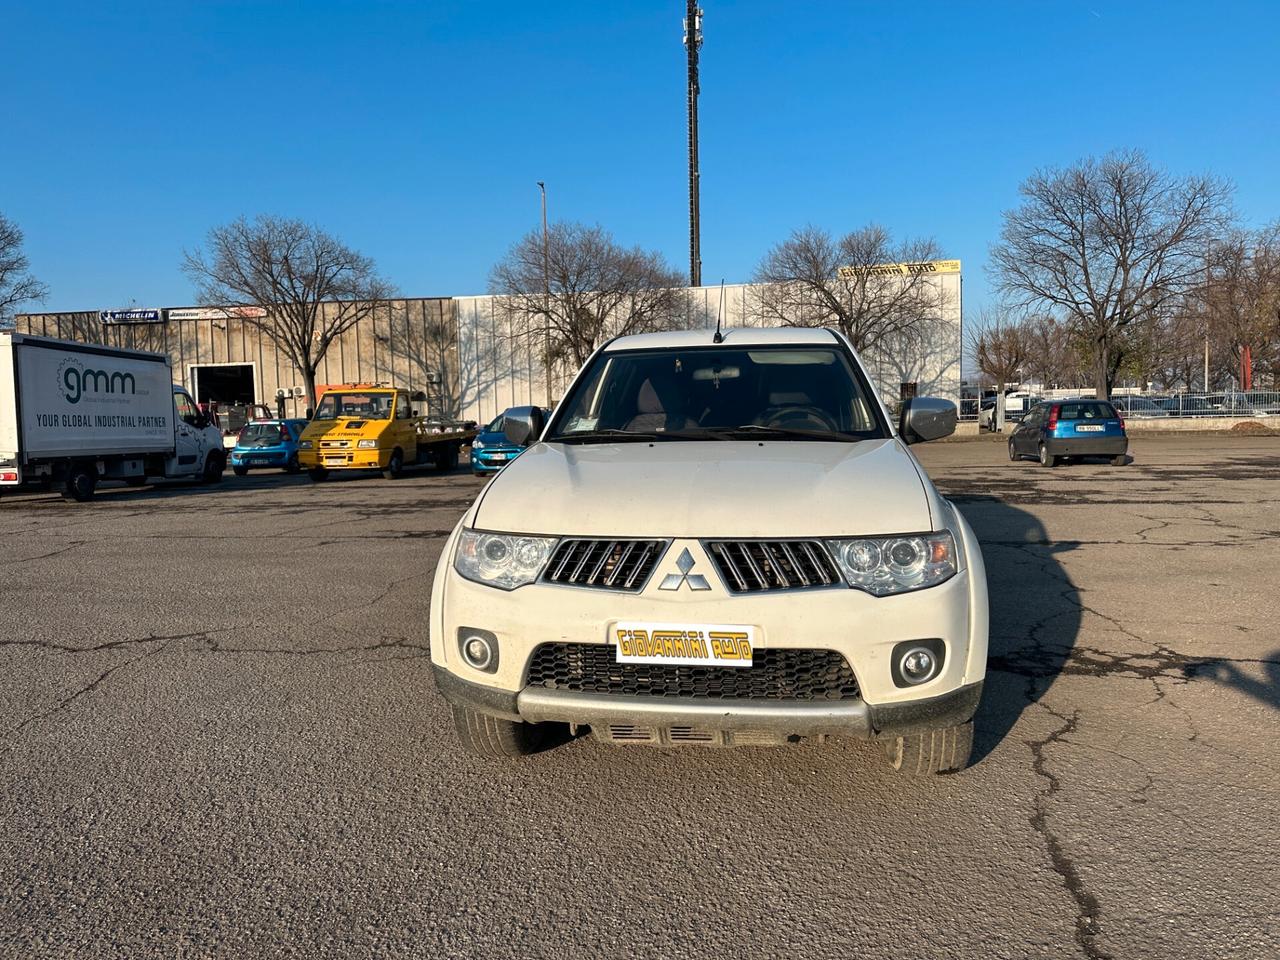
x,y
684,644
255,460
1089,428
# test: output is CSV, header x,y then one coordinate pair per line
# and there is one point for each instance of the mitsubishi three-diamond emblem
x,y
684,564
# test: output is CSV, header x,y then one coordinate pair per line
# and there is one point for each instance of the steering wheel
x,y
802,417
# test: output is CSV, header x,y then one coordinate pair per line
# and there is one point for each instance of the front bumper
x,y
344,459
852,718
259,458
492,459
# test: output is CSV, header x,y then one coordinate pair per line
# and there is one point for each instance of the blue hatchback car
x,y
267,443
491,450
1054,430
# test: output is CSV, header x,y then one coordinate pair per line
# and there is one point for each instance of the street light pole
x,y
546,295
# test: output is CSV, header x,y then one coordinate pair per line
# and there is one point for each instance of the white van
x,y
74,413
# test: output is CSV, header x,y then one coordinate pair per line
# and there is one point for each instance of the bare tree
x,y
598,289
1000,344
1109,243
16,285
313,287
1242,296
1179,336
1052,355
813,279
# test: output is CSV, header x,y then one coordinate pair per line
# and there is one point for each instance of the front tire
x,y
934,751
1013,454
487,736
1119,461
240,471
292,466
213,467
395,466
1047,459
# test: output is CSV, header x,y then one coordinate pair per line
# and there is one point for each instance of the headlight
x,y
304,444
501,560
477,444
368,444
885,565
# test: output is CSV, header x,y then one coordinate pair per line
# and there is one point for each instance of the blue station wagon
x,y
1058,429
267,443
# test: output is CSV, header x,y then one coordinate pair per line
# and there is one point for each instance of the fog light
x,y
478,652
479,648
917,661
917,666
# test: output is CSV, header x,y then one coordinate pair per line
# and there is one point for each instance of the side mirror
x,y
523,425
926,418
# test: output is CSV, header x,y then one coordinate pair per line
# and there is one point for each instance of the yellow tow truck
x,y
375,427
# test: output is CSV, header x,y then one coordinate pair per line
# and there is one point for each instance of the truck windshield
x,y
718,393
363,406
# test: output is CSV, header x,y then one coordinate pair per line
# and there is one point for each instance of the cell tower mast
x,y
692,43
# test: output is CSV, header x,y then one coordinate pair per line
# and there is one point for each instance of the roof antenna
x,y
719,337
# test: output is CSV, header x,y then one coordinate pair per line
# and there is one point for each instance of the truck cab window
x,y
187,411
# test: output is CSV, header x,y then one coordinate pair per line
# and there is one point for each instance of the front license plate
x,y
1089,428
684,644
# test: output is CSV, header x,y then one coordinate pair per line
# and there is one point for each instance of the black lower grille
x,y
775,674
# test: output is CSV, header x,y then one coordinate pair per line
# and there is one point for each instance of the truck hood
x,y
345,428
710,489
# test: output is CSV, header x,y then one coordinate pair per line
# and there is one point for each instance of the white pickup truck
x,y
74,413
720,541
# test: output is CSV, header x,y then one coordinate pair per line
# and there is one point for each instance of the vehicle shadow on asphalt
x,y
1035,613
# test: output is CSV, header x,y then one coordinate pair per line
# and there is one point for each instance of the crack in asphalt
x,y
66,702
1088,925
45,556
385,643
1161,663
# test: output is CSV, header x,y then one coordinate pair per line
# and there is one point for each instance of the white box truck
x,y
74,413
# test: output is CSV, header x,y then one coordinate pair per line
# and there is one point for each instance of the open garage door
x,y
223,383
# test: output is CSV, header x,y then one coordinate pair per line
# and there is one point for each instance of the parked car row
x,y
1228,404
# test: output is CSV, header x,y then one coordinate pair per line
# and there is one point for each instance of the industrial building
x,y
466,355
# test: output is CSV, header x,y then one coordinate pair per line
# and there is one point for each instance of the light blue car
x,y
267,443
491,450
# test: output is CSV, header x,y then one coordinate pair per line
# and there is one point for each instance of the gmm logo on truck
x,y
75,381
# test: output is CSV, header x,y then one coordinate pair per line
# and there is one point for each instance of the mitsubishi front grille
x,y
752,566
607,564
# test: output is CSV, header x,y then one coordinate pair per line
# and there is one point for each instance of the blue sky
x,y
416,131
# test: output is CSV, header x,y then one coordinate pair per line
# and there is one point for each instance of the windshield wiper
x,y
788,433
610,435
605,436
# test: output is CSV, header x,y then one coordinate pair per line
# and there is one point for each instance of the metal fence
x,y
1250,403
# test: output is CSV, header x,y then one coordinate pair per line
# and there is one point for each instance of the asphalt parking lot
x,y
219,736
